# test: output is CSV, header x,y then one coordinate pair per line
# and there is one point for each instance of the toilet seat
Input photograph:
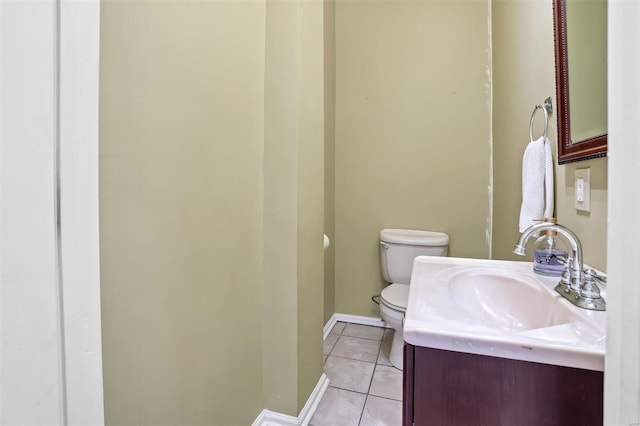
x,y
396,296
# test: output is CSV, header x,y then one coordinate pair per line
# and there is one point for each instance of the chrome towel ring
x,y
547,108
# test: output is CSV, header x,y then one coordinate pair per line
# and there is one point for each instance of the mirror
x,y
581,78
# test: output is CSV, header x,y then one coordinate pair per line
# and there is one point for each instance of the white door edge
x,y
78,77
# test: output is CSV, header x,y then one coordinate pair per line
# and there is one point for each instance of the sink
x,y
506,300
500,308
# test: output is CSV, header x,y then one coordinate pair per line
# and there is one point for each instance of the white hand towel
x,y
537,183
548,181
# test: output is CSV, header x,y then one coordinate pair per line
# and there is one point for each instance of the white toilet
x,y
398,249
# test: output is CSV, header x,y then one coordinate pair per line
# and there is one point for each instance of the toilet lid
x,y
414,237
396,296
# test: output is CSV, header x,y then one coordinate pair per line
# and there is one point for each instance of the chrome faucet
x,y
576,246
573,285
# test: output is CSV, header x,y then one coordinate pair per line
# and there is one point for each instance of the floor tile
x,y
339,407
387,382
363,331
385,348
356,348
356,361
338,327
329,343
349,374
381,412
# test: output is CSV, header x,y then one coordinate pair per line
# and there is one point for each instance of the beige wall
x,y
412,133
590,227
280,211
181,140
329,155
310,195
378,101
211,192
524,75
211,180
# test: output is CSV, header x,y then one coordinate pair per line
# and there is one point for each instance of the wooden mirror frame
x,y
568,150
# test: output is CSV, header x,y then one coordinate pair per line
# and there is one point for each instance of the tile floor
x,y
364,389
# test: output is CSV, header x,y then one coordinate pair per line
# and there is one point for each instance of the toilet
x,y
398,249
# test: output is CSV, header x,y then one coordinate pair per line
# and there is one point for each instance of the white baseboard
x,y
353,319
329,326
272,418
358,319
312,403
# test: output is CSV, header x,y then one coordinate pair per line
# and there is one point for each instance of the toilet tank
x,y
399,247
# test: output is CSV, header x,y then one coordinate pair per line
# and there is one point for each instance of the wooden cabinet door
x,y
451,388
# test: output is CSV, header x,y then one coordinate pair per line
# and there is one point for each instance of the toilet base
x,y
396,354
394,319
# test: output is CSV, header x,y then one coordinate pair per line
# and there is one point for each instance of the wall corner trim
x,y
329,326
272,418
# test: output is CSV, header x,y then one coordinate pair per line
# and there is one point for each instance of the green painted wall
x,y
412,145
181,201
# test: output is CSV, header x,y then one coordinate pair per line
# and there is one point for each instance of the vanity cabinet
x,y
446,388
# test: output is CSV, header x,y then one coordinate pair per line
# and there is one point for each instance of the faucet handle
x,y
600,278
564,286
565,278
590,293
589,289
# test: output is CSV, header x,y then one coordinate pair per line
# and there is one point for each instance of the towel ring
x,y
547,108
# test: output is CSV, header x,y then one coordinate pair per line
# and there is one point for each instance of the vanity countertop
x,y
502,309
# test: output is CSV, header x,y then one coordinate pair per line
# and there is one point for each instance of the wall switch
x,y
583,190
580,190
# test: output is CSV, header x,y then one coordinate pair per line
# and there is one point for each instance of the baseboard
x,y
312,403
272,418
329,326
353,319
357,319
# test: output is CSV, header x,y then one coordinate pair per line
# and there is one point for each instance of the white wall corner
x,y
272,418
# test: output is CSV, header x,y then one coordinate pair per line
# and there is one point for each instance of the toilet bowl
x,y
398,249
393,303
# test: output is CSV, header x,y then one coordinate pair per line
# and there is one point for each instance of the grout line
x,y
360,337
371,381
366,394
363,338
362,412
384,397
349,390
353,359
375,363
333,346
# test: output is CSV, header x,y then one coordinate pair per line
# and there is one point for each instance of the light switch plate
x,y
583,189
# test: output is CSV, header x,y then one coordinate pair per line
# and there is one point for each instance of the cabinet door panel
x,y
451,388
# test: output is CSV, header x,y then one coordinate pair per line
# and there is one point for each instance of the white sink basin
x,y
502,309
506,300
